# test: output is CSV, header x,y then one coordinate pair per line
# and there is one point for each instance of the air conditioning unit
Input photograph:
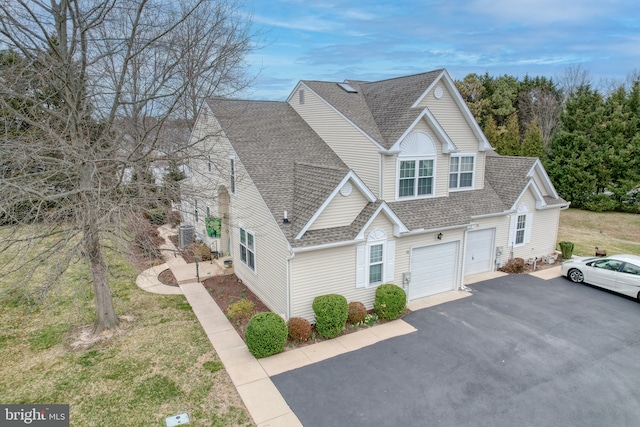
x,y
185,236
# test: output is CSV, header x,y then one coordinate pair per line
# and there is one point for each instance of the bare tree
x,y
574,77
542,106
88,90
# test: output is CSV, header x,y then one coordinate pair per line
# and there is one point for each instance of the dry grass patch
x,y
614,232
160,363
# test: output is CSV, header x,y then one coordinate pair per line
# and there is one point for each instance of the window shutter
x,y
390,262
360,266
513,223
527,228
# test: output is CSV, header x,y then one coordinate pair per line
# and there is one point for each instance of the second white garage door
x,y
479,252
433,269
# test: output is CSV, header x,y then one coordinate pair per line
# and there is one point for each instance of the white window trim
x,y
240,245
523,210
417,159
473,172
363,259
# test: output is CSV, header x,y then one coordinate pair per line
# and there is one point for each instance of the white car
x,y
619,273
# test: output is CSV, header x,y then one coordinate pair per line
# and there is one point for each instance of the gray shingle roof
x,y
280,151
295,170
508,175
382,109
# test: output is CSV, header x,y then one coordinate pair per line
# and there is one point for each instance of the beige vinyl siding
x,y
543,232
540,183
389,184
269,281
247,210
356,150
342,210
333,271
326,271
447,113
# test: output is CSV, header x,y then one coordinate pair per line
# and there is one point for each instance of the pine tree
x,y
532,144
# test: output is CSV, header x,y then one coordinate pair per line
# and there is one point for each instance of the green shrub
x,y
601,203
331,314
357,312
567,249
390,301
299,329
514,266
266,334
157,216
240,309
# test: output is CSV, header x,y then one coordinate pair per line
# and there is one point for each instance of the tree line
x,y
587,137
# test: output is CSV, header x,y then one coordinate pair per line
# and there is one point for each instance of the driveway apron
x,y
520,352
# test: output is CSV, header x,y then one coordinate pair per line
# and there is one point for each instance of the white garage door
x,y
478,255
433,269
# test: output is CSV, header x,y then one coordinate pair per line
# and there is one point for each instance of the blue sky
x,y
371,40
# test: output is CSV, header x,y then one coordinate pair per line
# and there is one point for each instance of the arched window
x,y
416,166
375,260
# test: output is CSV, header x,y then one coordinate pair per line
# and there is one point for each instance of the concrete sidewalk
x,y
251,376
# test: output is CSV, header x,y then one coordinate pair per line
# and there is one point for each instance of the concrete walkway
x,y
251,376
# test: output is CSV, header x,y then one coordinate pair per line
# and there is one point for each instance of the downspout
x,y
288,313
464,258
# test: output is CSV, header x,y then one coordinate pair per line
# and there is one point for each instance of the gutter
x,y
433,230
325,246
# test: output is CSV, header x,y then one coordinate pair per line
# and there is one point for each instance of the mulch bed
x,y
227,289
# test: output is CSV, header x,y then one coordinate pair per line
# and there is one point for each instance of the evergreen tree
x,y
509,141
491,132
532,145
575,161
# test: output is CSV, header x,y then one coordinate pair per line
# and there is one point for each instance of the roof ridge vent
x,y
347,87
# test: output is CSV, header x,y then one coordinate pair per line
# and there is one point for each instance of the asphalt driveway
x,y
520,352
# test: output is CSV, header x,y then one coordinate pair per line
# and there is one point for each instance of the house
x,y
349,185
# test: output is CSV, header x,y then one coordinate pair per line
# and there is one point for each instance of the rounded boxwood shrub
x,y
266,334
390,302
299,329
331,314
357,312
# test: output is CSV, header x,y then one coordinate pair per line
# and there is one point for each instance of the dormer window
x,y
416,167
461,169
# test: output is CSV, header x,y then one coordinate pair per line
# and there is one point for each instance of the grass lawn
x,y
162,365
611,231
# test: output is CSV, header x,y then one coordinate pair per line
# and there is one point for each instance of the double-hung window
x,y
375,260
247,248
376,263
521,225
461,172
416,178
